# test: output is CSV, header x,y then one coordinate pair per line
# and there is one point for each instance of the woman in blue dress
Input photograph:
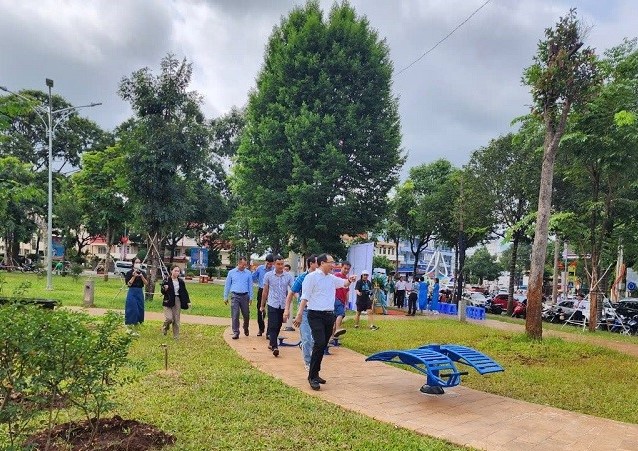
x,y
134,308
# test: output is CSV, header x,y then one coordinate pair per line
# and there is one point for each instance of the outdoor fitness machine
x,y
437,363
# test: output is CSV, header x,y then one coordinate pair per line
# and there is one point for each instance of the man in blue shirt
x,y
304,328
276,285
258,277
239,285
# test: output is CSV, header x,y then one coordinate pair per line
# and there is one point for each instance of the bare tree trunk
x,y
593,294
555,275
510,288
107,259
153,249
396,256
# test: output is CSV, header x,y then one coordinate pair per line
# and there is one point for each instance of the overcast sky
x,y
452,102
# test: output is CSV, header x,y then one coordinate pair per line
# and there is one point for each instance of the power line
x,y
441,41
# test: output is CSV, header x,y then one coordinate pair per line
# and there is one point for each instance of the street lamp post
x,y
49,125
49,83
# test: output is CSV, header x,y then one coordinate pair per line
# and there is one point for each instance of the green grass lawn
x,y
573,376
213,399
206,299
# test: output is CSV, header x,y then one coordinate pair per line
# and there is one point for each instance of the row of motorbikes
x,y
626,325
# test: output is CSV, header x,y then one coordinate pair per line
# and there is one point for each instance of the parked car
x,y
122,267
627,307
501,300
477,299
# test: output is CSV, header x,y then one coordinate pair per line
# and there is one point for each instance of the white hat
x,y
365,273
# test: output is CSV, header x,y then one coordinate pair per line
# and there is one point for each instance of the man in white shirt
x,y
318,294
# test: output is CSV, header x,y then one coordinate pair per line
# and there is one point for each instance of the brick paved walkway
x,y
462,415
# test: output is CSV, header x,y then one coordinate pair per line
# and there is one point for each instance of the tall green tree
x,y
320,150
26,136
507,171
562,76
468,219
101,189
482,265
600,190
422,205
20,197
166,144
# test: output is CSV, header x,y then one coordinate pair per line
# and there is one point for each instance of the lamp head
x,y
49,82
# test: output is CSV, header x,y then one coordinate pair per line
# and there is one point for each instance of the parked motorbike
x,y
553,315
490,307
520,310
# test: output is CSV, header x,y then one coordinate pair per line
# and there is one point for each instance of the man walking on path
x,y
341,300
239,285
258,277
304,328
318,292
276,285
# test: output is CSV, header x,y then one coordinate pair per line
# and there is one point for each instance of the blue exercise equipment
x,y
437,363
282,342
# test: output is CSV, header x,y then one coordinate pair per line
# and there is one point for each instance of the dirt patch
x,y
114,434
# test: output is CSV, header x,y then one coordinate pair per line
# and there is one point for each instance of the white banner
x,y
360,256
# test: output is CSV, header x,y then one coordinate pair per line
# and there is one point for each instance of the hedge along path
x,y
462,415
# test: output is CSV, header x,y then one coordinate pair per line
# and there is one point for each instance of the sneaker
x,y
339,332
306,366
235,336
314,384
356,326
275,352
260,333
374,328
164,329
321,380
269,348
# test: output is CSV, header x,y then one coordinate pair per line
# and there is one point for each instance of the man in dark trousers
x,y
276,286
318,293
258,277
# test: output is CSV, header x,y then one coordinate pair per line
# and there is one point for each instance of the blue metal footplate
x,y
437,363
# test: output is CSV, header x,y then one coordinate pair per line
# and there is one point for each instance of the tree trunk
x,y
153,249
533,324
510,288
461,264
107,259
594,287
555,275
396,256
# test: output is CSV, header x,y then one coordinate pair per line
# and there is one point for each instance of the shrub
x,y
76,270
52,358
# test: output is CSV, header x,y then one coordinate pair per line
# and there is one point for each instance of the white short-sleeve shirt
x,y
319,290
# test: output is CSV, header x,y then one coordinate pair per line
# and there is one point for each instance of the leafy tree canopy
x,y
320,150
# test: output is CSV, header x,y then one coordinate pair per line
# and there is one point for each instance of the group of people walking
x,y
322,297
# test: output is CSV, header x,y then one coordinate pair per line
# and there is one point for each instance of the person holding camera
x,y
363,288
134,307
175,299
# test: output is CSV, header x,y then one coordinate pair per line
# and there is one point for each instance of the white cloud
x,y
452,102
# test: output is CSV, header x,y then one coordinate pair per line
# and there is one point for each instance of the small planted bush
x,y
51,360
